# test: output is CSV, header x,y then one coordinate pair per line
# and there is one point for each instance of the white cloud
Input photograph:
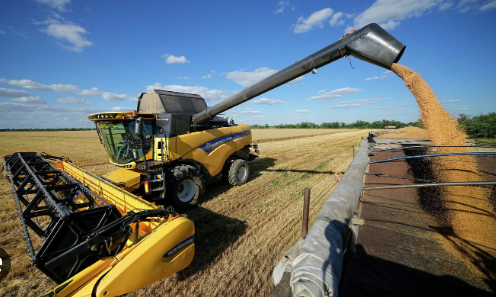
x,y
406,104
354,104
206,93
208,76
267,101
25,83
121,108
56,4
69,34
316,19
451,101
13,93
368,101
114,97
171,59
32,85
466,5
383,107
335,20
344,105
372,78
389,13
74,101
59,88
281,5
182,77
334,94
383,75
247,78
91,92
7,106
29,99
63,88
299,78
302,111
32,118
445,5
488,6
250,111
3,32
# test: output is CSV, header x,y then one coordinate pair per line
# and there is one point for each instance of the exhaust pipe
x,y
371,44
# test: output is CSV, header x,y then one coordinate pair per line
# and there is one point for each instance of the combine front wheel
x,y
238,172
188,187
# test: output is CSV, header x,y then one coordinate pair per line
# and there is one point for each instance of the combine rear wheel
x,y
188,187
238,172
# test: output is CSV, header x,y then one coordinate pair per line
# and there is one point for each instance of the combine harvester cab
x,y
88,235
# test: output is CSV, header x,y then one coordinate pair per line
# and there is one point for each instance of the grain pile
x,y
469,231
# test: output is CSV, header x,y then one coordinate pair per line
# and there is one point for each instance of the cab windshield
x,y
120,141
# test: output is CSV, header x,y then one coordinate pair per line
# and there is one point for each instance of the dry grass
x,y
241,232
267,135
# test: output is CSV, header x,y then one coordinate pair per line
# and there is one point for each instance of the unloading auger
x,y
100,239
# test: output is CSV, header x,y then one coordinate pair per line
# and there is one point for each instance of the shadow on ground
x,y
372,276
430,198
256,167
213,234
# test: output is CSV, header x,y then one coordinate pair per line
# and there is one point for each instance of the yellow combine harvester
x,y
165,158
108,235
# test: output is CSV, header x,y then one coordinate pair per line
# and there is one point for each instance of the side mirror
x,y
138,126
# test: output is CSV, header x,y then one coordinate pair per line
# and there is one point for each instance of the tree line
x,y
481,126
359,124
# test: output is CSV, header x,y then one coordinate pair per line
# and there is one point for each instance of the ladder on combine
x,y
77,227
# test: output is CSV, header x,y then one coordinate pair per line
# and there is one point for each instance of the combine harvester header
x,y
98,238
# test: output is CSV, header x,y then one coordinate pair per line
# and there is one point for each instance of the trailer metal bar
x,y
483,154
447,184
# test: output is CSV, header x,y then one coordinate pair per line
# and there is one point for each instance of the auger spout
x,y
371,44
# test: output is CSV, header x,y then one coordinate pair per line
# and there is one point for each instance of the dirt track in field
x,y
241,232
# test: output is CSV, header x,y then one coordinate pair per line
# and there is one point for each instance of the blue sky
x,y
63,59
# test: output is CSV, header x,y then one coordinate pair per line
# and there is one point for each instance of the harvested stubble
x,y
241,232
469,230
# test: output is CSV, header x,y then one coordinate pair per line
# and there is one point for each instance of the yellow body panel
x,y
147,262
188,146
75,283
214,161
244,141
129,179
188,142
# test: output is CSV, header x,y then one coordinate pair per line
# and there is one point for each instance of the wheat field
x,y
241,232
